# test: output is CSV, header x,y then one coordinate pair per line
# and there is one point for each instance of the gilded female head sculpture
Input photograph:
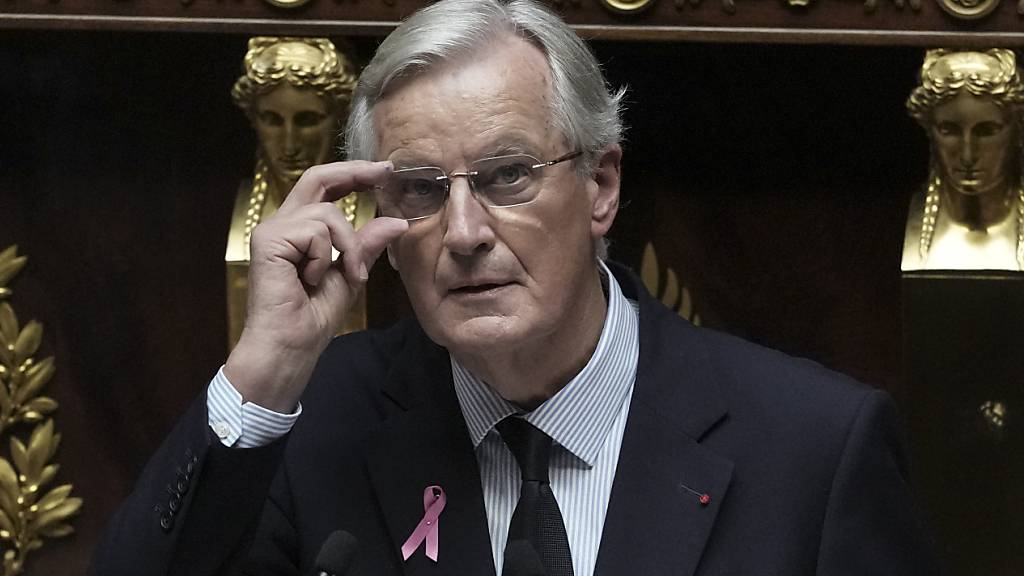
x,y
296,93
971,104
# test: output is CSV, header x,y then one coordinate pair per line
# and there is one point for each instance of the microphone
x,y
336,554
521,559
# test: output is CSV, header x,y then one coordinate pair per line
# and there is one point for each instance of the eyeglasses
x,y
499,182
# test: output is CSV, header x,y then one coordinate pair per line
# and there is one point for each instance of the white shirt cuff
x,y
243,425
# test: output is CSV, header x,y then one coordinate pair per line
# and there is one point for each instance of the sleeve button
x,y
174,503
166,522
221,429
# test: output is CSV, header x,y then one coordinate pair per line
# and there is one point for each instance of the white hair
x,y
583,107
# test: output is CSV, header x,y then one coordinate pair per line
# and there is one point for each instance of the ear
x,y
603,188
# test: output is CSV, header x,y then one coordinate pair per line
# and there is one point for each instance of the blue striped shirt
x,y
243,425
586,419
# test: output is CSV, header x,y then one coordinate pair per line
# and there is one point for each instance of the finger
x,y
341,234
306,244
318,257
359,250
374,237
329,182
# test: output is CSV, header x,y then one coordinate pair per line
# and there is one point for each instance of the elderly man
x,y
542,414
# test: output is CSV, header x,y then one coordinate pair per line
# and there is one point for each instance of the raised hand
x,y
298,297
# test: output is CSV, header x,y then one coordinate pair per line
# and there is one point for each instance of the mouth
x,y
294,162
483,288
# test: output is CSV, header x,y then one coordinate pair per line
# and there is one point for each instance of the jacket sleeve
x,y
871,525
194,509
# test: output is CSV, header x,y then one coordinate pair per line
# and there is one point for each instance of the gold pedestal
x,y
964,367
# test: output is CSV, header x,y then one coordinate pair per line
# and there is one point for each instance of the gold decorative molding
x,y
27,515
673,294
872,5
994,414
729,6
287,3
969,9
627,6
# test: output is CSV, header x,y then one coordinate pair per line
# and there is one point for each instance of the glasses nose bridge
x,y
449,181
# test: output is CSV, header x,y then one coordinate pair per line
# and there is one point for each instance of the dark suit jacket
x,y
805,469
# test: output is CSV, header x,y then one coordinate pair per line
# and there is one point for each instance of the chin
x,y
968,190
294,175
481,333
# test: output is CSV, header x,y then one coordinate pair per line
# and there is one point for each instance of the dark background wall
x,y
773,179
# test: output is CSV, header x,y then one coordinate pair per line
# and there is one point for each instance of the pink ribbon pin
x,y
433,504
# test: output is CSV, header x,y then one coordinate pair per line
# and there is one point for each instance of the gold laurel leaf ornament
x,y
28,512
674,294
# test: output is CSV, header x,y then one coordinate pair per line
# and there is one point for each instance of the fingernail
x,y
388,166
363,274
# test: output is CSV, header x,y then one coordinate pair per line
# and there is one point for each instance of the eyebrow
x,y
405,160
507,148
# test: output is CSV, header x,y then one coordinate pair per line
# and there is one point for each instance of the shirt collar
x,y
580,415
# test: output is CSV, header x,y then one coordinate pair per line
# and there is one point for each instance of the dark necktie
x,y
537,519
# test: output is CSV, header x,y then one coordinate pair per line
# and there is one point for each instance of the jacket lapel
x,y
656,523
428,445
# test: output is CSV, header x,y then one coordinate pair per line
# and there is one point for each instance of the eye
x,y
947,128
507,175
420,187
988,129
271,118
309,118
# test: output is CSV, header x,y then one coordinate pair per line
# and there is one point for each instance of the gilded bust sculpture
x,y
296,93
971,214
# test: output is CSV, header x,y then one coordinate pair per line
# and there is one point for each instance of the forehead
x,y
966,107
499,98
288,97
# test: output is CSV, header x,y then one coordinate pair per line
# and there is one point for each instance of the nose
x,y
467,223
969,151
291,139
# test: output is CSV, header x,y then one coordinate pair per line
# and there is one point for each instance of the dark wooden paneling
x,y
845,21
775,180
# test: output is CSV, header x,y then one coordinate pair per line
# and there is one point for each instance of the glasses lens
x,y
412,193
505,180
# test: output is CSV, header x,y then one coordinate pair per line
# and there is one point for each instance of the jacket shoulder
x,y
757,371
360,361
795,404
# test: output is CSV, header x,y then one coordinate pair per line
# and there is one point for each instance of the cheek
x,y
268,137
555,251
317,141
948,152
999,150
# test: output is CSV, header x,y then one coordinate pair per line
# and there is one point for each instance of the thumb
x,y
374,236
